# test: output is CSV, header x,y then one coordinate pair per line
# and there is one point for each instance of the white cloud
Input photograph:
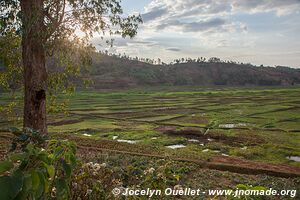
x,y
200,15
224,28
280,7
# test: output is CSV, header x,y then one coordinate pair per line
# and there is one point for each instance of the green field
x,y
255,124
261,124
220,133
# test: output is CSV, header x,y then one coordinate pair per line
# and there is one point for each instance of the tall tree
x,y
44,27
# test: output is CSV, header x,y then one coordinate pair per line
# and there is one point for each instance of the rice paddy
x,y
261,124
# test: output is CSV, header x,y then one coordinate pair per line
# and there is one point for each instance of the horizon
x,y
259,32
186,60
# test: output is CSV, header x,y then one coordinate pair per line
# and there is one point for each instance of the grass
x,y
270,135
136,115
268,114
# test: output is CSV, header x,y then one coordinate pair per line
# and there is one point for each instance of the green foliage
x,y
243,187
25,137
36,172
94,180
162,177
11,72
84,15
128,71
69,62
67,55
10,62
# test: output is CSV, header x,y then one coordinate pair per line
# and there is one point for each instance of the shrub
x,y
38,168
96,180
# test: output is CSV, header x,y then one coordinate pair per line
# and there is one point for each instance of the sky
x,y
250,31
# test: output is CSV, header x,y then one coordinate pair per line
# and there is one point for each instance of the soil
x,y
222,163
189,133
65,122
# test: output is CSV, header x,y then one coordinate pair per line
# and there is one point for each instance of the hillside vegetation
x,y
111,71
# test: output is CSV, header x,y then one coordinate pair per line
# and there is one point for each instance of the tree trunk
x,y
35,74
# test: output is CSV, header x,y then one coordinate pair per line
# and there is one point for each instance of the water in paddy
x,y
294,158
176,146
232,125
127,141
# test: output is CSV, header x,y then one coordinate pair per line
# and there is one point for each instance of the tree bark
x,y
35,74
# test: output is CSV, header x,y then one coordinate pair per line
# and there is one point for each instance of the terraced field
x,y
214,138
254,124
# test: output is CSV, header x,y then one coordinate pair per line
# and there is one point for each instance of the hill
x,y
111,71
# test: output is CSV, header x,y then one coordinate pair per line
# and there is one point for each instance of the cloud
x,y
187,16
124,42
280,7
209,15
193,26
222,28
120,44
173,49
153,14
213,7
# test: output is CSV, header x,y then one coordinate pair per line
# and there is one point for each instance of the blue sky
x,y
251,31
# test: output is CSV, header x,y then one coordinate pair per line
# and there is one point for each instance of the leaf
x,y
242,187
27,182
35,180
47,185
177,177
41,187
5,166
43,156
61,188
15,131
23,137
26,189
73,160
17,156
13,147
67,169
58,152
11,185
5,182
51,171
259,188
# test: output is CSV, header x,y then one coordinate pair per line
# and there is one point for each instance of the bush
x,y
96,180
38,168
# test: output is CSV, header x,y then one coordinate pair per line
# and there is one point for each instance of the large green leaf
x,y
50,170
35,180
41,188
11,185
43,156
27,182
17,156
5,185
5,166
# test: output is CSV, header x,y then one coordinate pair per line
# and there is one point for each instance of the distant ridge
x,y
117,72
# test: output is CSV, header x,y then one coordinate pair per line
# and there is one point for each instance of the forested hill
x,y
117,72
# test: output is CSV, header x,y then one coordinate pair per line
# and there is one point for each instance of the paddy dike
x,y
221,163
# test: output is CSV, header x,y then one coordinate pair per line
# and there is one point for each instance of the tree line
x,y
158,61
